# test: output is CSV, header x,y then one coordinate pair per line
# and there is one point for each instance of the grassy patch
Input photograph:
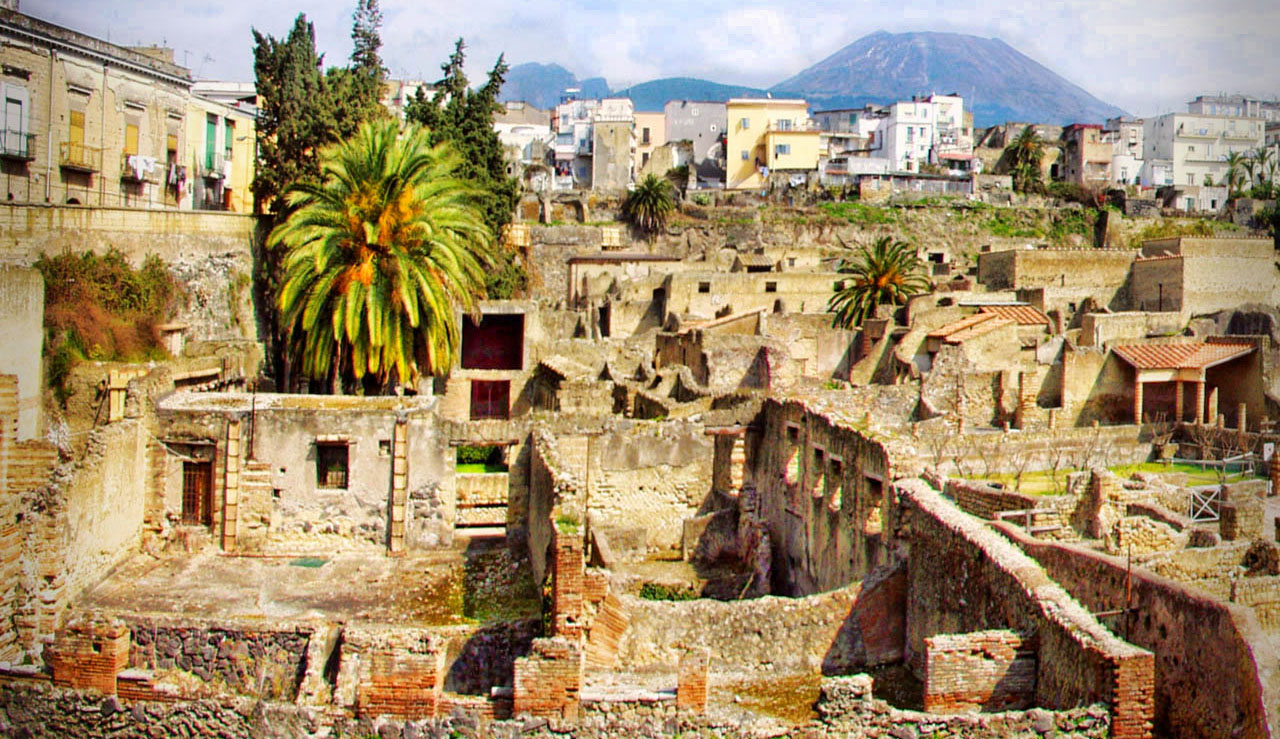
x,y
1007,223
1040,482
477,468
861,214
658,591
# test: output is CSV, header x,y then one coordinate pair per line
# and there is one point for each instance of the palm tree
x,y
889,271
1262,159
379,256
650,203
1026,152
1235,161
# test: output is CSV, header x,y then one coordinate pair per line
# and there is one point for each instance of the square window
x,y
704,287
793,433
771,287
384,447
782,150
745,123
331,465
745,155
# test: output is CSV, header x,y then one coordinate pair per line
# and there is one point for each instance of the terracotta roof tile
x,y
1196,355
1023,315
756,260
969,327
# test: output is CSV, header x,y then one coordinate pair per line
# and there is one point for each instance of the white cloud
x,y
1141,56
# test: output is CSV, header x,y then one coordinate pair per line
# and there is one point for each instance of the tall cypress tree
x,y
464,117
356,90
294,119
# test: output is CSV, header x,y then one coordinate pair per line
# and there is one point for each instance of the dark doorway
x,y
197,489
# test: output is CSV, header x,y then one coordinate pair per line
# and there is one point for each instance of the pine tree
x,y
464,117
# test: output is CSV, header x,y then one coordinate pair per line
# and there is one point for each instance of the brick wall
x,y
397,672
985,670
567,573
992,585
87,655
548,682
692,681
1215,693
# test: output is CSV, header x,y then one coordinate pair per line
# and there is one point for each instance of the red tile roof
x,y
1023,315
1196,355
969,327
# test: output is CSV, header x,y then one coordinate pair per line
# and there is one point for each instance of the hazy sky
x,y
1147,56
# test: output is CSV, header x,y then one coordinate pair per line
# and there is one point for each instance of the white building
x,y
1125,135
1189,150
574,123
927,131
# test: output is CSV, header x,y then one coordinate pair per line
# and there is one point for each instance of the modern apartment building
x,y
582,125
1125,136
1087,155
1190,149
704,124
91,123
768,135
651,132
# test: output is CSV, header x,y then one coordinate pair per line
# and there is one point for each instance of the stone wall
x,y
992,585
22,336
854,627
210,254
237,659
1207,673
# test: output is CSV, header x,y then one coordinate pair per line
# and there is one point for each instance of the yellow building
x,y
220,156
651,132
768,135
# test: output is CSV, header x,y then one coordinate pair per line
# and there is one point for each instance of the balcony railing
x,y
79,158
18,145
213,168
136,168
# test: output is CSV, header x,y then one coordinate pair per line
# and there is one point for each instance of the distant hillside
x,y
654,95
542,84
997,82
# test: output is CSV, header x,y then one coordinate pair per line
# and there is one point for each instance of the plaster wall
x,y
22,336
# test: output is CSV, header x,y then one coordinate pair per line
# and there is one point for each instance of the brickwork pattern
x,y
568,571
548,682
985,670
693,679
87,655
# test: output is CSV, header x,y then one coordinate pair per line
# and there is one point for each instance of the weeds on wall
x,y
99,307
658,591
861,214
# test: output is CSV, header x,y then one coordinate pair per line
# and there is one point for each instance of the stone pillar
x,y
691,685
568,570
399,484
1200,418
231,487
1137,401
1178,410
1053,418
1212,416
1242,419
1273,471
738,464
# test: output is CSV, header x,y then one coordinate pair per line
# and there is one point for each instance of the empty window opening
x,y
771,287
384,447
704,287
331,464
496,343
481,459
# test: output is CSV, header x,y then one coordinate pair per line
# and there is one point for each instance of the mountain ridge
x,y
998,82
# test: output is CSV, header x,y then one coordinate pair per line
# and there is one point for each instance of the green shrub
x,y
657,591
861,214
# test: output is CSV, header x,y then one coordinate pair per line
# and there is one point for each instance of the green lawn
x,y
475,468
1041,482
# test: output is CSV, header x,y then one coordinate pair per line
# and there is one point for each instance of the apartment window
x,y
331,464
784,124
853,119
644,159
911,135
644,137
781,150
745,123
210,139
746,155
1191,179
131,138
76,135
228,138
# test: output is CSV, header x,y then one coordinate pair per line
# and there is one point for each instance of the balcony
x,y
786,126
214,167
139,169
18,146
79,158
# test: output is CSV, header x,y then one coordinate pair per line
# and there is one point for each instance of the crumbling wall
x,y
1208,682
22,336
988,670
990,585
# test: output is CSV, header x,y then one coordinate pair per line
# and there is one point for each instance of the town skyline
x,y
1164,58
